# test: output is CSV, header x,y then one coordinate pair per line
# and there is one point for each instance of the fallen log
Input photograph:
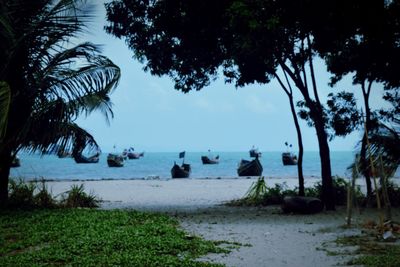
x,y
305,205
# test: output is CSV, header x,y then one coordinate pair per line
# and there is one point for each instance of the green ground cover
x,y
83,237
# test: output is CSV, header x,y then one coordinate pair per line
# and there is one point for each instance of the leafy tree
x,y
45,81
352,42
250,40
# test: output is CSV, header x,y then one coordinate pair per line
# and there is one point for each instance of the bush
x,y
275,195
30,195
44,198
393,193
260,194
21,194
340,186
77,197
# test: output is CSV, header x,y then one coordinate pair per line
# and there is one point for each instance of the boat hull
x,y
135,155
15,163
289,159
250,168
180,171
115,160
83,159
207,160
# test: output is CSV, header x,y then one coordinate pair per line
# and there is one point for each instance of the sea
x,y
157,165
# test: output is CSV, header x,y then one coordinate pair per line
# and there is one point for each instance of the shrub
x,y
77,197
393,192
275,195
21,194
44,198
340,186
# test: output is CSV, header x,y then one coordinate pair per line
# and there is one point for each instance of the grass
x,y
372,252
87,237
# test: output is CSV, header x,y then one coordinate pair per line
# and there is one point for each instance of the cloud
x,y
209,105
259,105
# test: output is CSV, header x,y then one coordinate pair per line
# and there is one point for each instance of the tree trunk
x,y
328,196
5,165
365,163
300,144
363,153
316,114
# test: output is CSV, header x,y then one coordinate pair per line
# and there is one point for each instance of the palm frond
x,y
385,147
64,138
79,70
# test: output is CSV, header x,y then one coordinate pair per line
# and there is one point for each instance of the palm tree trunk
x,y
5,165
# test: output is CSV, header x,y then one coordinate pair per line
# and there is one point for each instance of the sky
x,y
150,115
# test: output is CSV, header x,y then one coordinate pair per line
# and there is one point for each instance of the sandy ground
x,y
270,238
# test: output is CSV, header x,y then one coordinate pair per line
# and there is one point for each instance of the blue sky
x,y
150,115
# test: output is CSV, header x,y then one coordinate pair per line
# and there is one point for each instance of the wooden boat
x,y
207,160
289,158
132,155
79,158
129,154
115,160
250,168
254,153
15,162
64,154
180,171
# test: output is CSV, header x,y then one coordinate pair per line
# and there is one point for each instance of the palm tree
x,y
384,147
45,81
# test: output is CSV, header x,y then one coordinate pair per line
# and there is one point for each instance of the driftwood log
x,y
305,205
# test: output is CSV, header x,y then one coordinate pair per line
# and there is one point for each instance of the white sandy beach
x,y
272,238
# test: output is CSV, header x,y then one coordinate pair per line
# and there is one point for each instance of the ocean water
x,y
158,165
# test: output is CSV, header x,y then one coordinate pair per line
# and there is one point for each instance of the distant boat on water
x,y
82,159
209,159
250,168
289,158
16,162
114,160
254,153
182,171
64,154
130,154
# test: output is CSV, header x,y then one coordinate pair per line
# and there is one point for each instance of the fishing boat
x,y
15,162
250,168
114,160
130,154
64,154
207,160
181,171
289,158
254,153
79,158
